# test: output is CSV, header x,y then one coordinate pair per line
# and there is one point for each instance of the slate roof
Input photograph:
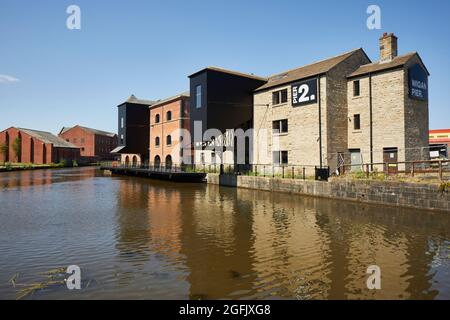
x,y
235,73
48,137
133,99
94,131
163,101
307,71
378,66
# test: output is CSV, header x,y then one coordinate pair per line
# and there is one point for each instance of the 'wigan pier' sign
x,y
418,83
304,92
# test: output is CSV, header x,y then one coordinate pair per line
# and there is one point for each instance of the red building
x,y
439,143
94,144
33,146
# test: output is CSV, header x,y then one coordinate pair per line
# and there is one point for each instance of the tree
x,y
17,148
4,151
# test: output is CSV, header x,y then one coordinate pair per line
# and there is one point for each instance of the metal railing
x,y
427,168
262,170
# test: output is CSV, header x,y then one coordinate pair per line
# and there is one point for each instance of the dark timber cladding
x,y
133,126
226,98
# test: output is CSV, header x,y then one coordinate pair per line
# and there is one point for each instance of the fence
x,y
263,170
417,169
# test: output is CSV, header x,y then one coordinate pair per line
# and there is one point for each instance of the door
x,y
390,158
355,160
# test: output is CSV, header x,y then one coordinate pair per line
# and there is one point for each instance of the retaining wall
x,y
413,195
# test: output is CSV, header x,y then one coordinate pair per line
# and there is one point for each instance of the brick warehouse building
x,y
168,118
94,144
345,109
37,147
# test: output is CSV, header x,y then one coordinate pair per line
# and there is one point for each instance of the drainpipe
x,y
371,120
320,120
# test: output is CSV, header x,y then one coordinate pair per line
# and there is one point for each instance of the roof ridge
x,y
233,72
316,62
397,57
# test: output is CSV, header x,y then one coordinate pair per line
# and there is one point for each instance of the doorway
x,y
355,160
390,158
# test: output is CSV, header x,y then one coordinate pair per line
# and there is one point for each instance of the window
x,y
121,122
121,139
169,115
356,88
157,118
82,140
279,97
357,122
280,157
280,126
198,96
169,140
202,158
74,140
213,158
157,141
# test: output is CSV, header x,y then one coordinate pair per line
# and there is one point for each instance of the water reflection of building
x,y
217,242
233,243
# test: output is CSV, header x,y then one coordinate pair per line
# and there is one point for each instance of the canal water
x,y
135,238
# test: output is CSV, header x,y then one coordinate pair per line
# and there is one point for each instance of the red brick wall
x,y
81,138
91,145
165,128
40,153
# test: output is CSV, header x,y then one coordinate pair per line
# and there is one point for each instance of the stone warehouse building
x,y
37,147
344,109
169,118
300,116
388,109
94,144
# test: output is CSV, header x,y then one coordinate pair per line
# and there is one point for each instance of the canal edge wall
x,y
392,193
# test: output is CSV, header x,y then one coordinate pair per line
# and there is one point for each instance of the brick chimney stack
x,y
388,47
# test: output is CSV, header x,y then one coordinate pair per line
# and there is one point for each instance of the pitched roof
x,y
133,99
235,73
164,101
94,131
48,137
307,71
378,66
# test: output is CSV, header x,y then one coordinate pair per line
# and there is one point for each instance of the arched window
x,y
169,115
157,118
127,161
135,160
157,162
157,141
169,162
169,140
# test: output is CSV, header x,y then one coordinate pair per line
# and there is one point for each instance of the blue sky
x,y
58,77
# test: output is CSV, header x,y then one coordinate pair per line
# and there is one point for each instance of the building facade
x,y
345,111
94,144
221,101
37,147
439,143
169,131
300,116
133,131
388,110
